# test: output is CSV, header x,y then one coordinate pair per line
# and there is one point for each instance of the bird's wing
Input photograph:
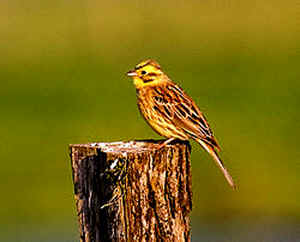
x,y
181,110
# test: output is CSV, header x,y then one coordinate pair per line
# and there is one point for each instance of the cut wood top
x,y
138,146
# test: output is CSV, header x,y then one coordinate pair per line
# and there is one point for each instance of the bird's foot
x,y
165,143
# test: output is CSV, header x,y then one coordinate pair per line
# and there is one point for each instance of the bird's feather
x,y
180,109
218,161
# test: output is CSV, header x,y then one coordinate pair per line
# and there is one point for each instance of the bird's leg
x,y
165,143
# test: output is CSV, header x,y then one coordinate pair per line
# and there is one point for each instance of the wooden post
x,y
132,191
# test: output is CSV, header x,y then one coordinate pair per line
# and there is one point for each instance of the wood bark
x,y
132,191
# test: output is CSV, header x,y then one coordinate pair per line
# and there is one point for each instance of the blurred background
x,y
63,81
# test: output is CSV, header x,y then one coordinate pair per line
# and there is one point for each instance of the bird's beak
x,y
131,73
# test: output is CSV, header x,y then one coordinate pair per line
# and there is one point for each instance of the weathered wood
x,y
151,189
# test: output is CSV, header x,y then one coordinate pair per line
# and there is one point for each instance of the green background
x,y
63,81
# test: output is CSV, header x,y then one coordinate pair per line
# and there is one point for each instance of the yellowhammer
x,y
171,112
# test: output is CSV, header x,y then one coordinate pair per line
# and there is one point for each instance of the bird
x,y
171,112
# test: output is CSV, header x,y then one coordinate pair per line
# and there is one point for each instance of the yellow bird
x,y
171,112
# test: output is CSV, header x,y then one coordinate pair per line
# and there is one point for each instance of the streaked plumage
x,y
171,112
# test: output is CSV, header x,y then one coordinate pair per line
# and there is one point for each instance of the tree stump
x,y
132,191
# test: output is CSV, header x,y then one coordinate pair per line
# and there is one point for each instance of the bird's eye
x,y
143,72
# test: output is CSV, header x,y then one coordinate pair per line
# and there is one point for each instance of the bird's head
x,y
147,73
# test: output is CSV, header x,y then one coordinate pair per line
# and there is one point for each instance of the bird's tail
x,y
218,161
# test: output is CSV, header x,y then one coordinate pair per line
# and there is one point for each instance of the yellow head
x,y
147,73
